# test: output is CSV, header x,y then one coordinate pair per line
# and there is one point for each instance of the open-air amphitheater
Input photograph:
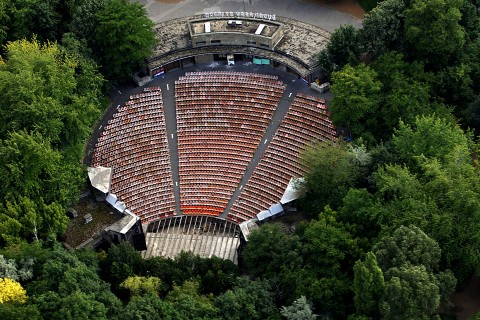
x,y
211,144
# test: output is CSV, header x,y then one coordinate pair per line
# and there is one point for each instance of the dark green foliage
x,y
190,304
248,300
383,28
410,293
29,17
19,311
368,285
472,115
123,38
150,307
407,245
121,262
328,164
343,48
356,100
49,106
269,249
432,28
368,5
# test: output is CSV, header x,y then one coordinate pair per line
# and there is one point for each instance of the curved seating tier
x,y
221,117
134,144
306,120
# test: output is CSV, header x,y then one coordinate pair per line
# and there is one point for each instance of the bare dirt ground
x,y
467,300
350,7
103,216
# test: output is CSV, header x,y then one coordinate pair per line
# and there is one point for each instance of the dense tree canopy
x,y
394,211
123,37
47,110
356,98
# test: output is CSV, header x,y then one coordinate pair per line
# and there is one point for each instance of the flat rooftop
x,y
301,40
234,25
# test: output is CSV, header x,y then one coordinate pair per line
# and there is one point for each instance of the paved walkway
x,y
312,13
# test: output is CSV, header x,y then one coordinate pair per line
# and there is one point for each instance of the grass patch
x,y
103,216
368,5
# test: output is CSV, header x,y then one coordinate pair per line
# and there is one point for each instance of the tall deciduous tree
x,y
383,28
414,287
269,248
35,189
411,292
408,245
432,28
429,137
328,164
247,300
344,47
299,310
368,286
123,37
355,99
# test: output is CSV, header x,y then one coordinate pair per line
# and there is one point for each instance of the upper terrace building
x,y
248,32
280,42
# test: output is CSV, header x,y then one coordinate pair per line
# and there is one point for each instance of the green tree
x,y
141,285
299,310
247,300
29,17
355,99
405,94
368,286
343,47
3,22
123,38
65,279
36,189
408,245
268,249
190,304
78,305
150,307
429,137
328,164
432,28
122,261
325,277
361,213
414,287
83,22
411,292
40,91
382,29
19,311
472,115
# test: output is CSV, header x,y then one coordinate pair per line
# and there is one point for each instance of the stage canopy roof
x,y
100,178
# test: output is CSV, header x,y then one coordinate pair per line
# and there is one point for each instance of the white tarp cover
x,y
123,225
248,226
100,178
291,193
120,206
111,198
276,209
264,215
